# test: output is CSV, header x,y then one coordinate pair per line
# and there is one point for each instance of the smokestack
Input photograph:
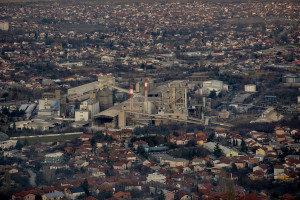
x,y
131,97
146,90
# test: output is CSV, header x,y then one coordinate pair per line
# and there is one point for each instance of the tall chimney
x,y
146,90
131,97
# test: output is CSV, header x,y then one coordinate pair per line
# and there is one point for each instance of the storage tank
x,y
105,98
149,107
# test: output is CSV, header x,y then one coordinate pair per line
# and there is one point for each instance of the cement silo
x,y
149,107
105,98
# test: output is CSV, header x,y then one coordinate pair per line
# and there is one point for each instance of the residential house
x,y
177,177
199,167
261,151
136,144
25,195
53,196
52,158
168,195
262,168
184,196
175,162
122,195
201,138
197,161
85,137
220,133
119,165
74,193
286,176
257,175
278,169
187,170
105,187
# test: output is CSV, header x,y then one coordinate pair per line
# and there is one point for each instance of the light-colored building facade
x,y
87,110
52,158
156,177
250,88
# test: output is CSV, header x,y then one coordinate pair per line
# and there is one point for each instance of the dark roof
x,y
76,190
3,136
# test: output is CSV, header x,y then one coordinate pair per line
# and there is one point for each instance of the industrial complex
x,y
97,104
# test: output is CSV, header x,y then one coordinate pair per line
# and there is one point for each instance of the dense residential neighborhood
x,y
150,100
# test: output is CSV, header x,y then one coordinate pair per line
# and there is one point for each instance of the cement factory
x,y
104,104
147,103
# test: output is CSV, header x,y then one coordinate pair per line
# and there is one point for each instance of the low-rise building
x,y
53,196
54,158
156,177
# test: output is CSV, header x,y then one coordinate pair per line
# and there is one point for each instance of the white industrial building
x,y
250,88
291,78
30,109
87,110
83,89
49,107
213,85
44,123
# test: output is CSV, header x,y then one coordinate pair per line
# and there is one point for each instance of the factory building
x,y
213,85
250,88
291,78
87,110
148,103
100,90
49,107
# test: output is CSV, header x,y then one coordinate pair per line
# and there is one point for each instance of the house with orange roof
x,y
90,198
85,137
119,165
201,139
221,133
261,151
105,186
286,176
257,175
287,196
25,195
184,196
123,195
262,168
